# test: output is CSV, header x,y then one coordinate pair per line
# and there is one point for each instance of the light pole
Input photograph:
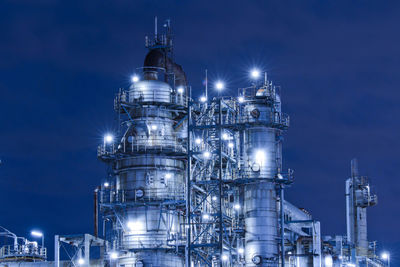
x,y
38,234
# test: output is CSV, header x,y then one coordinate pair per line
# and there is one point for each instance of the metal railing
x,y
127,97
19,251
111,196
238,116
168,145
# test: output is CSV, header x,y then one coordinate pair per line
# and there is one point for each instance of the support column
x,y
87,250
57,251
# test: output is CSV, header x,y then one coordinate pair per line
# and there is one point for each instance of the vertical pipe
x,y
206,85
155,28
349,211
354,168
282,229
96,211
188,195
87,250
57,251
220,179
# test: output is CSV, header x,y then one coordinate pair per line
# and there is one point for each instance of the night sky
x,y
61,62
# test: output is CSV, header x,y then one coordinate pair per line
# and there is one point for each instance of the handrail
x,y
8,251
139,195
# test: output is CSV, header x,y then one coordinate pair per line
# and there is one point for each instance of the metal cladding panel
x,y
158,177
149,228
258,113
261,152
362,241
150,91
151,259
261,224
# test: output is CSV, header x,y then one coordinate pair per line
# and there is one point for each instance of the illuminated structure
x,y
144,203
199,181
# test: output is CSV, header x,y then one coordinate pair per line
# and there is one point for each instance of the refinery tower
x,y
195,183
196,179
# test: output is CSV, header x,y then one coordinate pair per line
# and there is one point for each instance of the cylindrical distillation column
x,y
262,160
150,178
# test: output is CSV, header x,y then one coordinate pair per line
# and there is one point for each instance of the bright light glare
x,y
240,250
236,207
154,127
280,176
181,89
230,145
135,225
168,175
350,265
81,261
260,157
241,99
37,233
206,217
328,261
219,85
108,138
255,73
214,198
224,257
106,184
206,154
225,136
197,141
385,255
203,99
135,78
114,255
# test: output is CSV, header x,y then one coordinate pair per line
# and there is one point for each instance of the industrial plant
x,y
196,179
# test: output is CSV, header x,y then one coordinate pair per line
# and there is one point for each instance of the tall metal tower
x,y
143,201
194,183
235,175
358,198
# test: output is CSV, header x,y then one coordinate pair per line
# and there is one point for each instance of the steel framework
x,y
218,172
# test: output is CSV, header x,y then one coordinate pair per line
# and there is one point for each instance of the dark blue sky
x,y
61,62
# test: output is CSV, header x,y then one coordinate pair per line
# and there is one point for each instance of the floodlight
x,y
37,234
219,85
255,74
108,138
135,78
